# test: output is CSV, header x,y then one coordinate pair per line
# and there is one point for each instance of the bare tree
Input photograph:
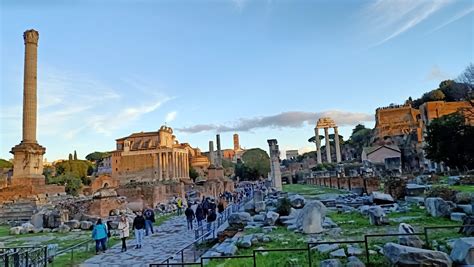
x,y
467,76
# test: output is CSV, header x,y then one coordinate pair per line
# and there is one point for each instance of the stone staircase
x,y
17,212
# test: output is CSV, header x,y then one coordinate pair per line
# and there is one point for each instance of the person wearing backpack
x,y
149,221
199,215
189,217
211,217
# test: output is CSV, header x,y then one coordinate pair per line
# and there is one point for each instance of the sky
x,y
263,69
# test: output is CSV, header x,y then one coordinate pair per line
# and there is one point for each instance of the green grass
x,y
80,255
463,188
310,190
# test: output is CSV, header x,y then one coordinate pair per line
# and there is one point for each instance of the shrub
x,y
442,192
284,207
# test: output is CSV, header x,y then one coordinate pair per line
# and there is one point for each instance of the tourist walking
x,y
189,217
124,228
149,221
211,218
199,215
221,206
179,204
139,227
99,234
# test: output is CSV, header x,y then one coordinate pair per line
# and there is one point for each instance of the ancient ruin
x,y
326,123
28,179
275,173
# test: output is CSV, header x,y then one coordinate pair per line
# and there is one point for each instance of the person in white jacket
x,y
124,228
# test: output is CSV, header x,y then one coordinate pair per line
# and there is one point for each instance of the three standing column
x,y
318,145
328,145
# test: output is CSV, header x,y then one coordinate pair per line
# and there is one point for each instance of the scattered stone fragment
x,y
437,207
457,216
354,250
354,262
409,256
411,240
297,201
15,230
330,263
340,253
325,248
463,251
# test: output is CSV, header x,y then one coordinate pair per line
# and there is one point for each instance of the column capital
x,y
31,37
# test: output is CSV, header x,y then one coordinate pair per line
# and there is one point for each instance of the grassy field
x,y
310,190
354,226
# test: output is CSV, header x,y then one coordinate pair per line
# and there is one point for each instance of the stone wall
x,y
368,184
29,191
103,206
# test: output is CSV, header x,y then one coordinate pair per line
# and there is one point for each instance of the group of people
x,y
207,210
142,226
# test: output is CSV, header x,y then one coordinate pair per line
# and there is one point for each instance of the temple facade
x,y
151,156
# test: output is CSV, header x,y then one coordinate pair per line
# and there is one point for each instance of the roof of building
x,y
140,134
372,149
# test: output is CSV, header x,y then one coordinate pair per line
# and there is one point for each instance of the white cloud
x,y
291,119
392,18
171,116
109,123
71,103
456,17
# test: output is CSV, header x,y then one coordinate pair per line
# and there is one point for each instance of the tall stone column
x,y
328,145
318,145
211,152
29,84
338,147
160,167
28,155
219,152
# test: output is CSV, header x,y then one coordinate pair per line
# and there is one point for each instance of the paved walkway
x,y
171,236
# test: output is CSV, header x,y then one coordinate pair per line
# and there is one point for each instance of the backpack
x,y
148,214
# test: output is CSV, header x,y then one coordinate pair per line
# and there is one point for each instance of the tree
x,y
75,155
193,174
97,156
467,77
70,156
449,140
73,184
256,164
5,164
454,91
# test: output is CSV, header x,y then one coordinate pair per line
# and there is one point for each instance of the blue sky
x,y
263,69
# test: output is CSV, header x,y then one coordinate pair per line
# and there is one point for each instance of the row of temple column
x,y
328,146
172,164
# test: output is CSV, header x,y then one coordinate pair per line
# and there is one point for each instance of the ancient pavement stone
x,y
168,239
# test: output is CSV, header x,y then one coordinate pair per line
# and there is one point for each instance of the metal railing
x,y
204,232
309,247
80,247
24,256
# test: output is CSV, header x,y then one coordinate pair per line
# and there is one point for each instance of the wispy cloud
x,y
456,17
107,124
71,103
171,116
392,18
436,74
239,4
292,119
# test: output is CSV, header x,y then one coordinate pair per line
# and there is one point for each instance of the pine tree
x,y
75,155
